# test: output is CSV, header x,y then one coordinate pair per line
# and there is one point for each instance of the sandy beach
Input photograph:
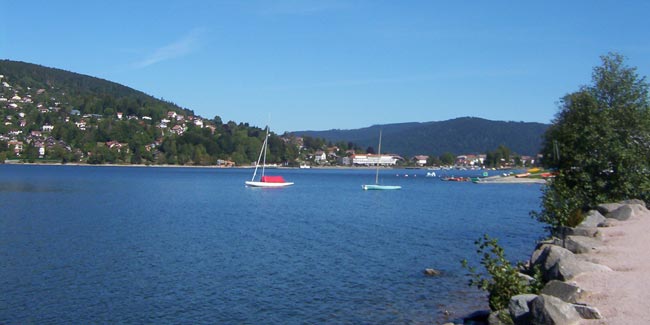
x,y
622,296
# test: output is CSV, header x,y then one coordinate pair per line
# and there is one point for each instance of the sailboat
x,y
376,186
266,181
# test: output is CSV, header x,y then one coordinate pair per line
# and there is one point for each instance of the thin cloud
x,y
182,47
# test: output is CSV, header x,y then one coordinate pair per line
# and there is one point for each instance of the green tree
x,y
447,158
599,143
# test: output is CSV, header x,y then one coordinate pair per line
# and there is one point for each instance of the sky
x,y
335,64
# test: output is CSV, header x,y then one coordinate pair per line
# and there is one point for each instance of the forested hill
x,y
54,115
90,95
465,135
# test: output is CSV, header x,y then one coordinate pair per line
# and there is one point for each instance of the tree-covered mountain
x,y
465,135
57,115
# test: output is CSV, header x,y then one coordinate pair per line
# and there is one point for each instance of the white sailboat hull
x,y
380,187
267,184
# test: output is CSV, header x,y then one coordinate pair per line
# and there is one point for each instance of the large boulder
x,y
549,310
548,255
563,232
557,263
634,201
565,291
606,208
519,308
627,211
568,268
499,317
587,312
592,219
581,244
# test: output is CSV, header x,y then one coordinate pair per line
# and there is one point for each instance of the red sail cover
x,y
272,179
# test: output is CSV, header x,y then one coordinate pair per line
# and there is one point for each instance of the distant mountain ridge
x,y
464,135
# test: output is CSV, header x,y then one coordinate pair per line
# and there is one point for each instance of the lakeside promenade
x,y
621,295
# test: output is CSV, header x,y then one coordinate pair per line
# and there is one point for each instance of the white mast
x,y
378,160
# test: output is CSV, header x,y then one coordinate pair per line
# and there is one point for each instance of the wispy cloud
x,y
189,43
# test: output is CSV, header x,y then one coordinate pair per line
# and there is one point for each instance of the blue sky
x,y
315,65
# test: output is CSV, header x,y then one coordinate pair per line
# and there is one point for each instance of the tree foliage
x,y
599,143
504,281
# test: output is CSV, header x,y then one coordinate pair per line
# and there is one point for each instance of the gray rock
x,y
479,316
563,232
568,268
587,312
549,310
565,291
496,317
627,211
552,255
557,263
609,222
519,308
581,244
634,201
606,208
585,231
525,278
592,219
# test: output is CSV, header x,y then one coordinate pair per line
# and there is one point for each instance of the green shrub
x,y
504,281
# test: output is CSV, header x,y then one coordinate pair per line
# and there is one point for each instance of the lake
x,y
82,244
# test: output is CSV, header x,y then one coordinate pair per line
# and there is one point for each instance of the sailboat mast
x,y
266,144
262,152
378,160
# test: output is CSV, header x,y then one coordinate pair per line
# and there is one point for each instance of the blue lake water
x,y
85,244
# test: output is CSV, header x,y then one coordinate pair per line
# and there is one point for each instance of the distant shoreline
x,y
187,166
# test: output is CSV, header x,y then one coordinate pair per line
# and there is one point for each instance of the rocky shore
x,y
595,273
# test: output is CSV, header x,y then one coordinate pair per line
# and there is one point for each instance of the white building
x,y
374,160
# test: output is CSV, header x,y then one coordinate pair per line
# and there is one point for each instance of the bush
x,y
504,281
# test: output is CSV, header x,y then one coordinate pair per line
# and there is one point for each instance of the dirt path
x,y
622,296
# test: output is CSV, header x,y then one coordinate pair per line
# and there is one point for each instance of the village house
x,y
420,160
171,114
117,145
17,145
198,122
470,160
177,129
119,115
47,128
225,163
320,157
